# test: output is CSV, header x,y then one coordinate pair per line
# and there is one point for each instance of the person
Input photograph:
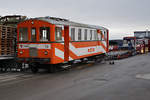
x,y
130,45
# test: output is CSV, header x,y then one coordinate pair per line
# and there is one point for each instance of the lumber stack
x,y
7,41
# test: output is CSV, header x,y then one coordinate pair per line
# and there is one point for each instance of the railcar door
x,y
33,34
66,43
107,40
99,37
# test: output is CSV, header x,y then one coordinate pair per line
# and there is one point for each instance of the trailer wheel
x,y
5,67
18,66
34,68
52,69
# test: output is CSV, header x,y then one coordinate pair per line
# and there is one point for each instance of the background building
x,y
142,34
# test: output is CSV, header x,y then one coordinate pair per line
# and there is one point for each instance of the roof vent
x,y
57,19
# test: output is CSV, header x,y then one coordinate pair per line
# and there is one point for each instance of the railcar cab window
x,y
44,33
85,34
58,33
105,35
79,34
23,34
73,34
33,34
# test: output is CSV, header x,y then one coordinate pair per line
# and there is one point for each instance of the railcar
x,y
53,41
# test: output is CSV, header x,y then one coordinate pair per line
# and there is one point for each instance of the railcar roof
x,y
60,21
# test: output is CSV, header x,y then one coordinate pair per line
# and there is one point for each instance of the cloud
x,y
120,16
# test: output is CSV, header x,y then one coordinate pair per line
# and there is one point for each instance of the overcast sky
x,y
121,17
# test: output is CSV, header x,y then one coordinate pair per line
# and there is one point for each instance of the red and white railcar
x,y
49,40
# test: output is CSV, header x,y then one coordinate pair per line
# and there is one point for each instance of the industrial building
x,y
142,34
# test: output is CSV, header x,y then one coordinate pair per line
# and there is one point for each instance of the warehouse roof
x,y
141,31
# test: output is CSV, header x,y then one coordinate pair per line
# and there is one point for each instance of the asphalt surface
x,y
125,80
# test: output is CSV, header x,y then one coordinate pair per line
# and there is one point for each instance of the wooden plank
x,y
0,38
6,40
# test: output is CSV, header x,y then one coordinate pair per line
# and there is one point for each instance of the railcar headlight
x,y
21,52
46,53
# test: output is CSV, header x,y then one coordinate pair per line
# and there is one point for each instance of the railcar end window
x,y
23,34
79,34
103,35
44,33
73,34
85,34
33,34
58,33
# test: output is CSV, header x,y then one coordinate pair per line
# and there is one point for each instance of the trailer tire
x,y
52,69
34,68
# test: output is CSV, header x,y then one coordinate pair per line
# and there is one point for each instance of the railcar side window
x,y
44,33
58,33
91,35
33,34
85,34
79,34
95,35
73,34
23,34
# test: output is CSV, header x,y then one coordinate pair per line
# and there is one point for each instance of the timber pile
x,y
7,40
12,20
